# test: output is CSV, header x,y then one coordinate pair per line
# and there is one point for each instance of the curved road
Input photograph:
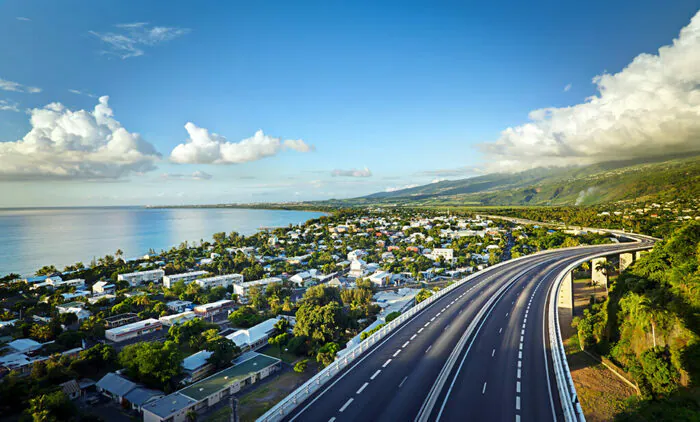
x,y
502,372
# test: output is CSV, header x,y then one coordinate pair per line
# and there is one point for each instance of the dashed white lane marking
x,y
520,355
521,346
522,338
403,381
362,388
493,352
520,364
518,373
419,331
517,418
517,402
332,419
517,386
347,403
507,313
413,336
388,361
522,332
429,347
499,330
375,374
396,353
426,324
432,319
483,390
405,344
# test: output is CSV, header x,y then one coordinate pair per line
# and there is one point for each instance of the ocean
x,y
32,238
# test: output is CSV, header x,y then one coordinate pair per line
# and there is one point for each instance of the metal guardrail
x,y
315,383
565,383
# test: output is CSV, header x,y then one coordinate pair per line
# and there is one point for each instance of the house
x,y
356,254
187,278
177,319
304,278
203,395
24,345
115,386
242,289
133,330
196,366
210,310
103,288
77,294
358,268
254,337
380,278
141,396
74,308
137,278
71,389
178,305
446,254
219,281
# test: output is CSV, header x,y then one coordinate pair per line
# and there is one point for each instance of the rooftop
x,y
197,360
253,334
224,379
213,305
260,282
184,275
169,405
134,326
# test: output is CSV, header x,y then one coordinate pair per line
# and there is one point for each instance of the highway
x,y
503,371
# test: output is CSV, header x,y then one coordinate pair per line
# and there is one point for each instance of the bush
x,y
298,345
392,316
301,366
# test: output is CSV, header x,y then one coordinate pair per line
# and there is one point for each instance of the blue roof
x,y
168,405
140,395
37,279
116,384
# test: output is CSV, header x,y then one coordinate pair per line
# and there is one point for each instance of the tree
x,y
51,407
245,317
422,295
326,354
282,326
223,351
41,333
322,324
154,364
300,366
191,415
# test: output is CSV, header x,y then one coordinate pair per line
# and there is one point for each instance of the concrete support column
x,y
566,304
626,259
599,273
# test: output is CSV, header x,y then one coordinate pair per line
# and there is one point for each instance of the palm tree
x,y
191,415
119,253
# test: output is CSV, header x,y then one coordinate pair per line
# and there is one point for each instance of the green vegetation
x,y
365,334
422,295
649,325
155,364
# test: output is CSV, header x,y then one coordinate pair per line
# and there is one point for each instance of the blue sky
x,y
373,96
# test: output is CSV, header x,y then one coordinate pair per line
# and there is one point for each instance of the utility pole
x,y
233,402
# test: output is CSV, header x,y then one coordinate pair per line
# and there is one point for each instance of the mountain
x,y
662,177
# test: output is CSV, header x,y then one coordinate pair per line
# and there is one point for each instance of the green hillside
x,y
666,177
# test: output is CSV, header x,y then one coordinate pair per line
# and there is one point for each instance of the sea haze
x,y
32,238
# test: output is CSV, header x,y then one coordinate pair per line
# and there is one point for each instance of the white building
x,y
219,281
188,278
133,330
209,310
196,366
74,308
140,277
446,253
356,254
103,288
358,268
380,278
254,337
177,319
242,289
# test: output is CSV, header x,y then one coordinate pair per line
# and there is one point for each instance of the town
x,y
173,336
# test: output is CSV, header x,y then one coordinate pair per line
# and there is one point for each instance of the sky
x,y
178,102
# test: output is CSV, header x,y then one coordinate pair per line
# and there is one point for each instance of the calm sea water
x,y
31,238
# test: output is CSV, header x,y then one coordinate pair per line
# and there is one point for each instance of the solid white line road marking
x,y
493,352
396,353
405,344
413,336
386,363
403,381
429,347
517,386
362,388
483,390
517,402
347,403
375,374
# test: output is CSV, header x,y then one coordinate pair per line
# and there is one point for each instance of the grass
x,y
274,352
221,415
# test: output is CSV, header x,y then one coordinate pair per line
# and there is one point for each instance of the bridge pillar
x,y
626,259
639,254
599,272
566,304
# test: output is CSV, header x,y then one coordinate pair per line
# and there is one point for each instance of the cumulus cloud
x,y
651,107
130,39
395,188
6,85
197,175
8,106
365,172
203,147
82,144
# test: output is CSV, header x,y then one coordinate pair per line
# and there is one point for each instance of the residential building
x,y
71,389
177,319
140,277
133,330
188,278
196,366
210,310
201,396
380,278
103,288
179,305
76,308
356,254
219,281
358,268
242,289
255,337
121,319
447,254
126,392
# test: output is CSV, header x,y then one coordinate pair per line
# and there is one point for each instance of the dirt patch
x,y
601,393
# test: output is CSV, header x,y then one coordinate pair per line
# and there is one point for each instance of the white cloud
x,y
651,107
395,188
567,87
365,172
438,180
66,144
22,18
197,175
6,85
203,147
8,106
130,39
78,92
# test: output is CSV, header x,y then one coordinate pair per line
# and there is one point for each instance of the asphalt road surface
x,y
504,372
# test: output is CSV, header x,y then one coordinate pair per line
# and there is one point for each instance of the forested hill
x,y
660,178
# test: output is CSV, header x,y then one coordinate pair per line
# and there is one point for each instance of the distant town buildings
x,y
141,277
